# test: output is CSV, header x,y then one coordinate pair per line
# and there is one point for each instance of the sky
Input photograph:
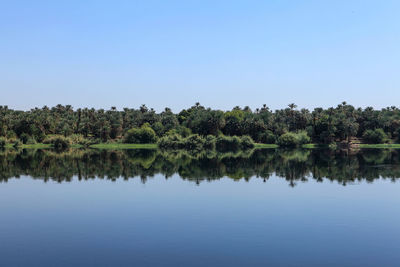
x,y
219,53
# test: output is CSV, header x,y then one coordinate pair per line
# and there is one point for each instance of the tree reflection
x,y
295,166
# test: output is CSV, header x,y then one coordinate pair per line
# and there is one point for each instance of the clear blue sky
x,y
220,53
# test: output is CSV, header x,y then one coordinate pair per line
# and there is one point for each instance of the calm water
x,y
148,208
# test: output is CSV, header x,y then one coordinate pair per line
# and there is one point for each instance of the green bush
x,y
268,137
142,135
79,139
194,142
376,136
181,130
303,138
59,142
173,141
158,128
227,143
291,139
184,131
288,139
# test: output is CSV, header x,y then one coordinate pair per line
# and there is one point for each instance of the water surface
x,y
151,208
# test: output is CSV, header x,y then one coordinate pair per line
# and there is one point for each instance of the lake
x,y
268,207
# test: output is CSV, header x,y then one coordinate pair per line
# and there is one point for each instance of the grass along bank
x,y
394,146
123,146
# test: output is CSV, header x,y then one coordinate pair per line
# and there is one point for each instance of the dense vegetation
x,y
294,165
287,127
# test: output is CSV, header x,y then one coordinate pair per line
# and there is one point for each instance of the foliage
x,y
228,143
294,165
194,142
323,126
291,139
78,139
267,137
246,142
376,136
288,139
59,142
210,142
180,130
172,141
303,138
142,135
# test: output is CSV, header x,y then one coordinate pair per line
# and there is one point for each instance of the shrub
x,y
181,130
288,139
194,142
184,131
158,128
79,139
376,136
142,135
228,143
173,141
11,135
303,138
291,139
59,142
2,142
246,142
268,137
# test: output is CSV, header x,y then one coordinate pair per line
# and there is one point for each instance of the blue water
x,y
173,222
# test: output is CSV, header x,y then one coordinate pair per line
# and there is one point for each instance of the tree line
x,y
145,125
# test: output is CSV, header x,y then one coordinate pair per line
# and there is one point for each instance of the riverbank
x,y
115,146
395,146
154,146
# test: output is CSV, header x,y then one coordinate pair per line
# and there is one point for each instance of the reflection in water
x,y
293,165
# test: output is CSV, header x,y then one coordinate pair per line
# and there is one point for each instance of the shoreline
x,y
155,146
